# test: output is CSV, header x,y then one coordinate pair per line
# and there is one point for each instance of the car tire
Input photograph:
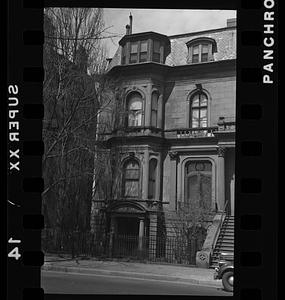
x,y
228,281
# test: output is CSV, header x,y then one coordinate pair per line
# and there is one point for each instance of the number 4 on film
x,y
14,253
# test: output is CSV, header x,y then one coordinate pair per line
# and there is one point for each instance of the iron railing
x,y
190,132
220,225
224,124
174,249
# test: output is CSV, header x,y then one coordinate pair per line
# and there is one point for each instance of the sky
x,y
164,21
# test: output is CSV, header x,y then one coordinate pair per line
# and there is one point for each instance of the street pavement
x,y
74,283
170,272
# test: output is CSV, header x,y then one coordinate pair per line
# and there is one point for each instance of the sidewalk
x,y
183,274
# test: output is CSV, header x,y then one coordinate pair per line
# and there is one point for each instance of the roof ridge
x,y
201,31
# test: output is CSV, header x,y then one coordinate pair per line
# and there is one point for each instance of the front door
x,y
198,185
126,236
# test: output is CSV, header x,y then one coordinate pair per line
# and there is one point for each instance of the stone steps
x,y
225,242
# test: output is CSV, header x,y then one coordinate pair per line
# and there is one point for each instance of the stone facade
x,y
186,160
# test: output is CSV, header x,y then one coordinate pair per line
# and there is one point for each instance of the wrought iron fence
x,y
178,250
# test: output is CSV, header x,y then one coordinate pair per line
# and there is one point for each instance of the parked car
x,y
225,270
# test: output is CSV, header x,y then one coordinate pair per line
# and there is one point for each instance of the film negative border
x,y
256,151
256,143
25,76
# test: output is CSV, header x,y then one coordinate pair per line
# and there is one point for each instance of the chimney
x,y
232,22
127,29
131,23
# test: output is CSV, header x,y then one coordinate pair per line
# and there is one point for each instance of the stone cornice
x,y
157,67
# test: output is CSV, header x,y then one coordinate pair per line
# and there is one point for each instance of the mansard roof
x,y
225,39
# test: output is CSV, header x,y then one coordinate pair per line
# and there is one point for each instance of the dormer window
x,y
156,51
144,47
134,53
143,51
201,50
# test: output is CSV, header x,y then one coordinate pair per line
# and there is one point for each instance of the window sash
x,y
156,47
199,111
135,118
134,48
133,58
131,178
204,57
131,188
143,46
156,57
152,178
135,110
195,58
200,53
143,56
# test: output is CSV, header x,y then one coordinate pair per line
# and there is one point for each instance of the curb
x,y
90,271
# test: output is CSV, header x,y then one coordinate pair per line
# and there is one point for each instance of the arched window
x,y
154,109
131,178
135,109
198,184
198,110
152,178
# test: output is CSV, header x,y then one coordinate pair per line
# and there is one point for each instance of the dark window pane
x,y
195,58
204,57
152,178
156,46
156,57
133,58
154,118
143,56
154,101
154,106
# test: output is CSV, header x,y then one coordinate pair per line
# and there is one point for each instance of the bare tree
x,y
75,92
189,225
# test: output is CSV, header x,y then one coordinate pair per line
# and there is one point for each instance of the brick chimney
x,y
232,22
129,27
131,23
